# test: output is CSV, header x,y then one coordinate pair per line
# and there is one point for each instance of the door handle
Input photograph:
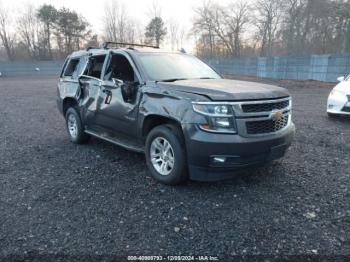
x,y
108,96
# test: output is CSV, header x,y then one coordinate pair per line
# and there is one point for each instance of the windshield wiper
x,y
207,78
172,80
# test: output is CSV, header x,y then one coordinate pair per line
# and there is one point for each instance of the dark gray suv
x,y
187,119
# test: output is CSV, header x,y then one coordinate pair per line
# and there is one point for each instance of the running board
x,y
119,141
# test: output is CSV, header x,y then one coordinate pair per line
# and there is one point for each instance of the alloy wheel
x,y
162,156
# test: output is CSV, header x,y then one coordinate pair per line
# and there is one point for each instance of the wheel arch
x,y
67,103
153,120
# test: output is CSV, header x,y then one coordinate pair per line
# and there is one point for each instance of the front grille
x,y
264,107
266,126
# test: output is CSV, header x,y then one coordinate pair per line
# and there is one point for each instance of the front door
x,y
114,111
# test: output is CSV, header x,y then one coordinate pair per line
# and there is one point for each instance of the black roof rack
x,y
106,45
91,47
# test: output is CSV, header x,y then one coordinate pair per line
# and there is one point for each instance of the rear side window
x,y
72,68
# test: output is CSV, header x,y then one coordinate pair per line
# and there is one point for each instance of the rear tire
x,y
166,155
75,127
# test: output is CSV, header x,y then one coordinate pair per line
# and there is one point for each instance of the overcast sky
x,y
180,10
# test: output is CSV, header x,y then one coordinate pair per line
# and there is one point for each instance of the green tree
x,y
156,30
47,14
70,30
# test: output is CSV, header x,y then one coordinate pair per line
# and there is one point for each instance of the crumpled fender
x,y
173,105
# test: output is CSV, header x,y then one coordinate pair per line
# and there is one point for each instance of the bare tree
x,y
182,35
221,28
226,24
292,24
118,26
7,38
317,26
174,34
134,31
342,20
236,17
155,9
267,22
203,24
130,32
28,28
47,15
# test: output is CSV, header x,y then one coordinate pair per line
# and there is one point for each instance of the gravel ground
x,y
99,199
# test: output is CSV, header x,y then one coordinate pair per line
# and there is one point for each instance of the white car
x,y
339,98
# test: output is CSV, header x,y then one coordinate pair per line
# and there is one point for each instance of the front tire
x,y
166,155
75,127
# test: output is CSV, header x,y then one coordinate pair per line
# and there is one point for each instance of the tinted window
x,y
170,66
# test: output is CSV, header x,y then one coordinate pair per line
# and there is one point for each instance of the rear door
x,y
69,85
90,83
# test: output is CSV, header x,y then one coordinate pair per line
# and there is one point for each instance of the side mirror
x,y
341,78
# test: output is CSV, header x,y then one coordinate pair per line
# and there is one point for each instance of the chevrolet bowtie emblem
x,y
276,116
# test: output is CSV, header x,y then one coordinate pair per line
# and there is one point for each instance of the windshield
x,y
172,67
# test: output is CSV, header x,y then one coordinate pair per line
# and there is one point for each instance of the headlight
x,y
220,118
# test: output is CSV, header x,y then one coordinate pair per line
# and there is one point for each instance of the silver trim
x,y
68,80
217,132
91,77
241,102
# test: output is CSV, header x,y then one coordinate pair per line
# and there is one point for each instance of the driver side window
x,y
94,66
120,68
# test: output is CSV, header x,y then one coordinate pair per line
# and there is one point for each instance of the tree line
x,y
240,28
272,27
37,30
47,33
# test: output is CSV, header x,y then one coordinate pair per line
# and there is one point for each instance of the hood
x,y
226,89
